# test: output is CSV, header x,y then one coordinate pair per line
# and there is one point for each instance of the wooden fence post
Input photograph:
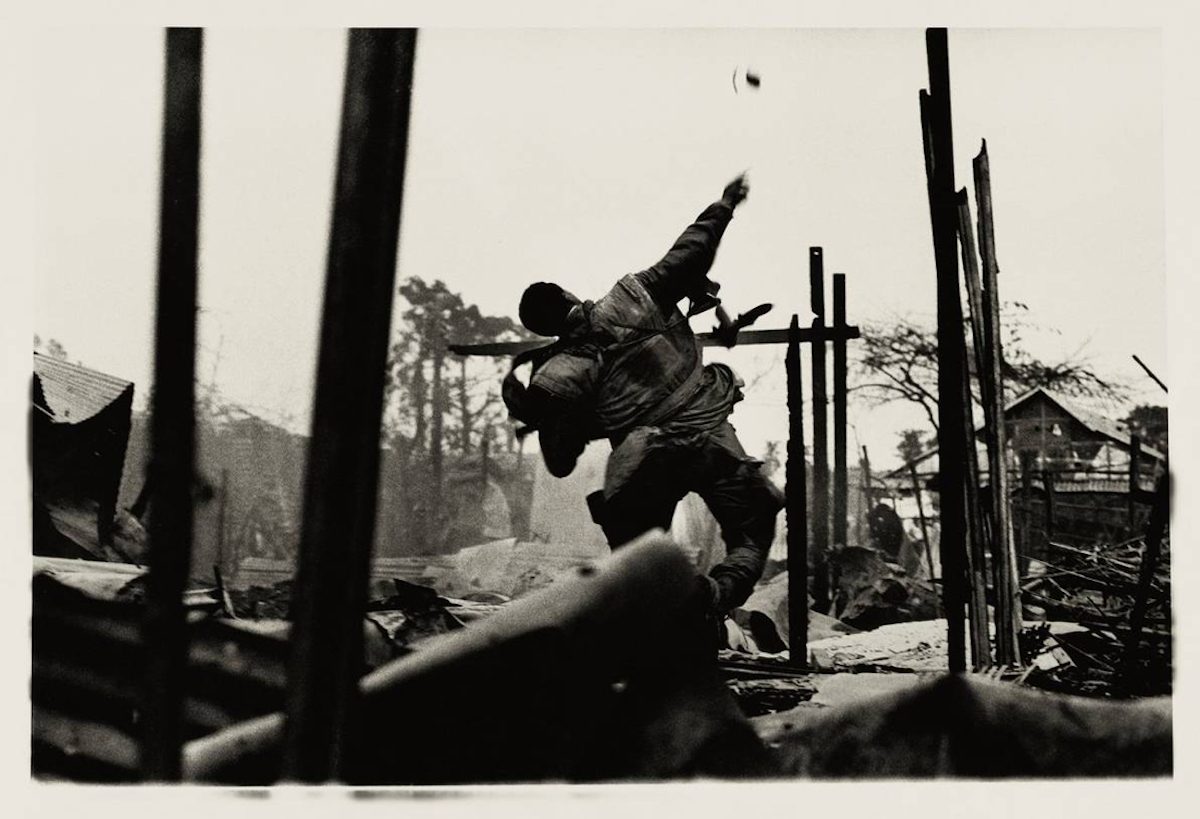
x,y
840,476
797,514
820,446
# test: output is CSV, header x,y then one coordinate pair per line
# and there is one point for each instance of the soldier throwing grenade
x,y
627,367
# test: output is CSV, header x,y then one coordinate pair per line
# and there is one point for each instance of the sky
x,y
578,155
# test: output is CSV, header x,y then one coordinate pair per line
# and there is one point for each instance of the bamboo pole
x,y
1004,555
978,529
173,420
343,461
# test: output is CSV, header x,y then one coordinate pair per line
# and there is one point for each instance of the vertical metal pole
x,y
820,447
951,433
1004,555
343,463
840,478
797,513
173,419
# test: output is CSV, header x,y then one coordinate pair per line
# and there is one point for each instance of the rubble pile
x,y
273,602
1096,588
873,590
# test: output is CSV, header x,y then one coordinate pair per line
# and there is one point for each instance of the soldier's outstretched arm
x,y
683,270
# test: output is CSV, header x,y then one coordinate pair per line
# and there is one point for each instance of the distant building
x,y
1071,471
1047,433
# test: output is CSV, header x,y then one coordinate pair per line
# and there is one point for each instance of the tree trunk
x,y
464,408
437,424
418,391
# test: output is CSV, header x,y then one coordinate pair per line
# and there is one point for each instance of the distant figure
x,y
887,532
627,367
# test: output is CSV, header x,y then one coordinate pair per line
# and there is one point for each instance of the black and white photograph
x,y
413,408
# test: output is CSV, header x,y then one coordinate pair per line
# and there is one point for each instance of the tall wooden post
x,y
797,514
952,460
1027,505
343,462
173,419
1135,468
1048,484
1155,530
1004,554
820,447
840,477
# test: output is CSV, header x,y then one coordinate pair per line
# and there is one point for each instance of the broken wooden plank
x,y
340,489
173,413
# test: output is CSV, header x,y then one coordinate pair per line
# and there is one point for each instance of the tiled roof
x,y
74,393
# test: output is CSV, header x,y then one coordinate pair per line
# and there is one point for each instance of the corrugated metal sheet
x,y
74,393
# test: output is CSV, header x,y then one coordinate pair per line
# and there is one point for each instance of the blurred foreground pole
x,y
796,492
952,435
172,412
343,460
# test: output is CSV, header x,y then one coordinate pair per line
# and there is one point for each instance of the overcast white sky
x,y
578,156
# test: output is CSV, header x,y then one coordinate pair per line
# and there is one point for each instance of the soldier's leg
x,y
642,486
745,504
